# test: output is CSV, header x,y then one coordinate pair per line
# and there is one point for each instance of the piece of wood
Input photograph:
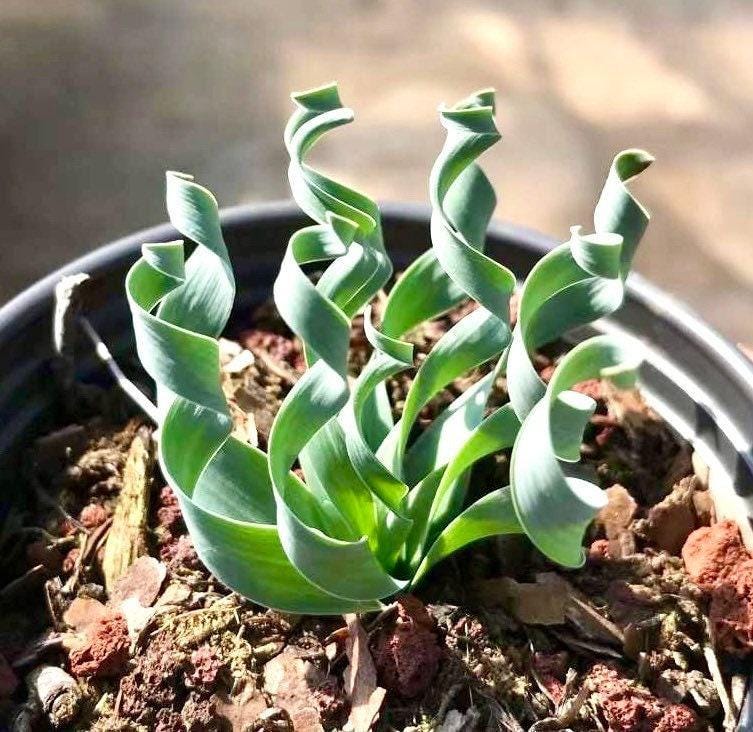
x,y
127,540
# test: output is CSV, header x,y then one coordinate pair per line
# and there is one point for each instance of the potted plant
x,y
317,472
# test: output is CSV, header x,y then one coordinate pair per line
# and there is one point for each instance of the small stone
x,y
617,515
206,664
671,521
141,581
84,611
712,552
104,651
93,515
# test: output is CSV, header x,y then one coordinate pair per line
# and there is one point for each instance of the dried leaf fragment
x,y
141,581
243,708
366,698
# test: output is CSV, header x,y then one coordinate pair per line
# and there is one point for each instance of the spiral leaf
x,y
381,503
555,509
579,281
222,484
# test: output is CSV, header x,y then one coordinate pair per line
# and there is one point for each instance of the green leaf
x,y
554,509
489,516
376,512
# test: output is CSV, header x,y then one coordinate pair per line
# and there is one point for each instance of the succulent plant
x,y
382,502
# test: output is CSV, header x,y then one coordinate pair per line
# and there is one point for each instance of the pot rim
x,y
671,309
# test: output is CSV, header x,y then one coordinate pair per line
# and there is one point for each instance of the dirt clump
x,y
671,521
407,651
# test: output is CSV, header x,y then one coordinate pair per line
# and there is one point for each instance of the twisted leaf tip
x,y
383,501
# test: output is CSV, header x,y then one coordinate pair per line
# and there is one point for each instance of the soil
x,y
651,634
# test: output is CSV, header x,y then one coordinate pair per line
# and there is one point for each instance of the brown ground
x,y
630,643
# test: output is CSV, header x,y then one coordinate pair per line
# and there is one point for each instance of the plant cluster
x,y
381,504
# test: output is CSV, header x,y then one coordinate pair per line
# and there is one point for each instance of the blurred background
x,y
99,97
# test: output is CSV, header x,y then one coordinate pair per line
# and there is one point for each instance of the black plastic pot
x,y
698,381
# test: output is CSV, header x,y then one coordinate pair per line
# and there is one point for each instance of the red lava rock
x,y
199,714
105,648
279,347
93,515
66,527
69,562
169,515
599,551
332,705
678,718
470,628
514,308
180,552
207,664
407,652
547,372
153,684
161,663
731,610
8,679
717,561
712,552
169,721
551,669
591,388
604,434
628,707
133,703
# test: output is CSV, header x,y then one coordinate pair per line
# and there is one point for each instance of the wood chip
x,y
127,540
730,712
366,697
